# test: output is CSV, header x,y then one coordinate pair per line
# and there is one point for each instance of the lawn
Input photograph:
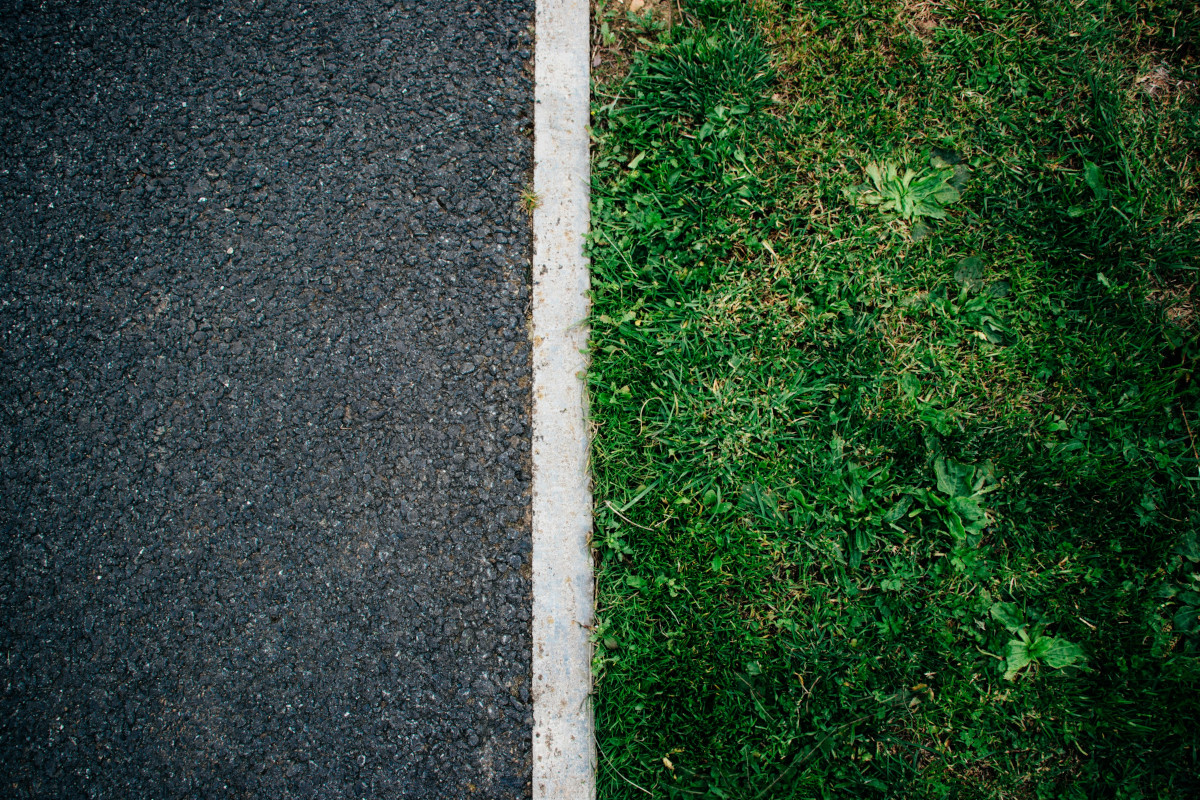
x,y
894,399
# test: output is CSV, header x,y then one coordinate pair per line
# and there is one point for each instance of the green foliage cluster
x,y
912,195
881,514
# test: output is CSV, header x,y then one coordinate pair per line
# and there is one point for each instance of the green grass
x,y
845,480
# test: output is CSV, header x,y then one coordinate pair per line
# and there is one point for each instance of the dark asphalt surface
x,y
264,397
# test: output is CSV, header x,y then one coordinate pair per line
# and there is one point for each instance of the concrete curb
x,y
564,749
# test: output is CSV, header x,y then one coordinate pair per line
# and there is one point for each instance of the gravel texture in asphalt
x,y
264,435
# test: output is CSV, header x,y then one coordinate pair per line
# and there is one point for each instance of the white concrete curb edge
x,y
564,749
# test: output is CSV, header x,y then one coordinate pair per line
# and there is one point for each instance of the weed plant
x,y
892,515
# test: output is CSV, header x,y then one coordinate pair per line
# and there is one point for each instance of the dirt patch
x,y
1159,83
921,19
617,33
1177,300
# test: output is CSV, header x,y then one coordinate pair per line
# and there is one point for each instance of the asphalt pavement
x,y
264,399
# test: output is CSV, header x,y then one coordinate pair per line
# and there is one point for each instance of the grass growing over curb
x,y
898,504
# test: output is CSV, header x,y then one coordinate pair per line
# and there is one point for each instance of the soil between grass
x,y
264,451
884,511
